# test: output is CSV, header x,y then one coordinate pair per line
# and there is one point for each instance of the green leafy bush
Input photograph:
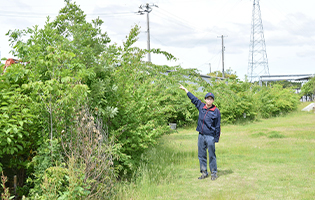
x,y
60,182
308,88
276,100
244,101
19,125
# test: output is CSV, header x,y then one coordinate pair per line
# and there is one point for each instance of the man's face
x,y
209,101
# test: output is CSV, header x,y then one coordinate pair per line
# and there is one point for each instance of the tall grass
x,y
269,159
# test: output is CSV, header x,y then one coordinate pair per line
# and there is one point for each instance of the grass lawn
x,y
270,159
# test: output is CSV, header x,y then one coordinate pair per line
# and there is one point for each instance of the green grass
x,y
269,159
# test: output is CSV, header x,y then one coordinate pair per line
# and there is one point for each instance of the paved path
x,y
309,107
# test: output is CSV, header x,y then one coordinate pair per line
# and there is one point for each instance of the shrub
x,y
81,168
239,101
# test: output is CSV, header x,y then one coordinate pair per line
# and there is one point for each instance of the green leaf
x,y
20,147
21,123
9,140
15,130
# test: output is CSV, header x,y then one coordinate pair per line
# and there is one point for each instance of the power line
x,y
159,41
294,21
218,10
172,20
44,15
177,19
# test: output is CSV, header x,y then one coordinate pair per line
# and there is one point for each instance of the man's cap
x,y
209,94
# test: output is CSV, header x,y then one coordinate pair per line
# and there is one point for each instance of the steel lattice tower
x,y
257,62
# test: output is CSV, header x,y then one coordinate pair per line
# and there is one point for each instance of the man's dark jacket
x,y
209,118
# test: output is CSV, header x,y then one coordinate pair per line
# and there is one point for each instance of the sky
x,y
191,30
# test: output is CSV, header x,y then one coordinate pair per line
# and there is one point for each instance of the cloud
x,y
309,53
299,24
296,30
118,20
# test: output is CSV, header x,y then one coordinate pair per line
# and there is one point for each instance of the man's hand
x,y
183,88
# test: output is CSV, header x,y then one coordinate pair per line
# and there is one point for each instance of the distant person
x,y
209,132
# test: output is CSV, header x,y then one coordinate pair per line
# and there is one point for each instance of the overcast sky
x,y
189,29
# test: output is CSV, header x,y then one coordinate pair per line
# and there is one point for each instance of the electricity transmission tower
x,y
147,8
257,62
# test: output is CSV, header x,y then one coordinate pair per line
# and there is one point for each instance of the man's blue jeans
x,y
207,142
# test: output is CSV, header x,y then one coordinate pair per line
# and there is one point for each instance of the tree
x,y
146,97
286,84
308,89
61,60
227,74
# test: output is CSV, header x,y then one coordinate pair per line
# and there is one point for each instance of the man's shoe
x,y
203,176
214,176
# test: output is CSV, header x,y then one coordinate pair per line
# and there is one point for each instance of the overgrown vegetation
x,y
286,84
229,73
81,113
308,89
243,101
5,195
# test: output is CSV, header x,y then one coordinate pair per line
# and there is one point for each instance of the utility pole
x,y
210,67
142,9
223,49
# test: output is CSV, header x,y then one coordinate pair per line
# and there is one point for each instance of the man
x,y
209,132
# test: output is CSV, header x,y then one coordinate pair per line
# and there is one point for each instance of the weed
x,y
6,193
275,134
259,134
